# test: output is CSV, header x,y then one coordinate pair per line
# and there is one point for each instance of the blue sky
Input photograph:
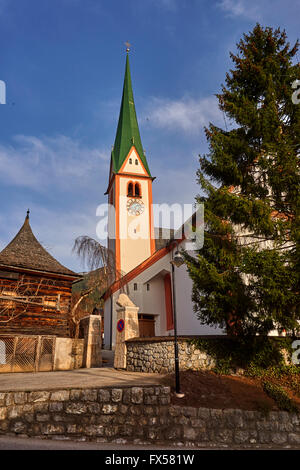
x,y
63,64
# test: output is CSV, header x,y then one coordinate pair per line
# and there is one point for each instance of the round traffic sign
x,y
120,325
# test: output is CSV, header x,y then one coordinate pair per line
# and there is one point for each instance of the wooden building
x,y
35,289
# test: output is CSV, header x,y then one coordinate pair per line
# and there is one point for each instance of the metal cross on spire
x,y
128,45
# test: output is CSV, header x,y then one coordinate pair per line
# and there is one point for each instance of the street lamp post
x,y
177,261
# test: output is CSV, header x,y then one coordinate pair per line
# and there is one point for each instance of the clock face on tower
x,y
135,207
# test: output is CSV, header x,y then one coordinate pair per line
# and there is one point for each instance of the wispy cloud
x,y
56,230
39,167
168,4
187,114
37,163
240,8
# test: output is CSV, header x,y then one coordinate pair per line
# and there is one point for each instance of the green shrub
x,y
278,394
254,354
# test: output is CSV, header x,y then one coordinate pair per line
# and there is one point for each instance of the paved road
x,y
79,378
21,443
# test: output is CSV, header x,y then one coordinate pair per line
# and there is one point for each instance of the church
x,y
141,256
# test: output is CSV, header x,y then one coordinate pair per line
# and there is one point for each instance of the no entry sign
x,y
120,325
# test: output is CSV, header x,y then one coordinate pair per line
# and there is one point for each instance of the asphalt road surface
x,y
21,443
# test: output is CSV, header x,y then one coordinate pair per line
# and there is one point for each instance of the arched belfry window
x,y
134,189
137,191
130,189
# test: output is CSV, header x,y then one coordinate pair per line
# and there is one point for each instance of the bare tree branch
x,y
15,299
97,258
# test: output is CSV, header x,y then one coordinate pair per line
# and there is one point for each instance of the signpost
x,y
120,325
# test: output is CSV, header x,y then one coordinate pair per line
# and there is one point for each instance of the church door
x,y
146,325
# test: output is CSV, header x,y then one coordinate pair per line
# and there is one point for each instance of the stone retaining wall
x,y
157,355
138,415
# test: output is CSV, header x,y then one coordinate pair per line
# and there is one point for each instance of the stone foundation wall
x,y
139,415
157,355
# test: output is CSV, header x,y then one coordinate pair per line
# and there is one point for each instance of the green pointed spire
x,y
128,133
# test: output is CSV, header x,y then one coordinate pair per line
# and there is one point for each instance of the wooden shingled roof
x,y
24,251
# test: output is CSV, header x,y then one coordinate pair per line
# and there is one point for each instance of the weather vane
x,y
128,45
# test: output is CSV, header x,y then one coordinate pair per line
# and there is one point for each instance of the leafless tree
x,y
100,261
16,298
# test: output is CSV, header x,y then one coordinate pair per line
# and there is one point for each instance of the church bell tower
x,y
130,218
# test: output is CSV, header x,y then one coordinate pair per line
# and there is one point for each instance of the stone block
x,y
75,394
264,437
174,411
224,436
116,395
137,395
94,408
42,417
76,408
9,399
151,400
94,430
20,398
164,400
126,430
189,433
19,427
109,409
56,406
136,410
52,429
38,396
111,431
241,436
204,413
3,413
15,412
173,433
41,407
190,411
279,438
71,429
2,399
104,396
198,423
89,395
60,395
294,438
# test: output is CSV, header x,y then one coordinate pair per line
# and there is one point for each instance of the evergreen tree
x,y
246,277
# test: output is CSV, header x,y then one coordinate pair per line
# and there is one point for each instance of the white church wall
x,y
107,323
187,322
152,302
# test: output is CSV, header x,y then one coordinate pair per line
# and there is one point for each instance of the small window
x,y
137,190
135,286
148,286
130,189
130,161
136,161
